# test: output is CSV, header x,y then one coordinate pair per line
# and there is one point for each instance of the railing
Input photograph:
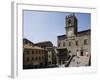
x,y
69,61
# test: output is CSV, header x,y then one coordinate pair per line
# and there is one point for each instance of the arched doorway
x,y
81,52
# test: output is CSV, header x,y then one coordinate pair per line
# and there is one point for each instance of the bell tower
x,y
71,25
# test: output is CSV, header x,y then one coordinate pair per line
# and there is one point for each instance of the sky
x,y
41,26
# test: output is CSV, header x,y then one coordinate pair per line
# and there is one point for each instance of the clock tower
x,y
71,25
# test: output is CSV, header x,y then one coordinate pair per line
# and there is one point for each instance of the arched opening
x,y
81,52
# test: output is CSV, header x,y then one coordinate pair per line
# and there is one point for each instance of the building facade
x,y
33,56
38,55
50,55
73,43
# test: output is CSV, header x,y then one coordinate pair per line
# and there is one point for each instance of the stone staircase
x,y
69,61
78,61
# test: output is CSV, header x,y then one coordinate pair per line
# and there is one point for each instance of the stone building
x,y
38,55
44,44
27,42
73,43
33,56
50,55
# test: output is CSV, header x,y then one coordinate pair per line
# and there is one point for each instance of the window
x,y
27,52
58,44
69,43
39,58
32,58
32,52
64,44
76,43
39,51
35,51
85,42
36,58
69,21
42,57
81,52
69,51
27,59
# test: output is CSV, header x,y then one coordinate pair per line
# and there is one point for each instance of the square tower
x,y
71,25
